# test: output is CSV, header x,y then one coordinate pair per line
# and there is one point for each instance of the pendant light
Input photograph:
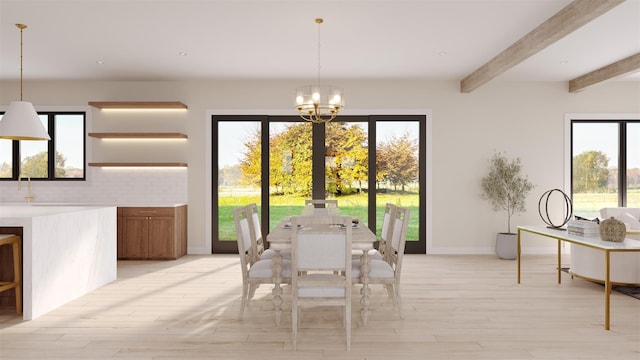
x,y
319,103
21,121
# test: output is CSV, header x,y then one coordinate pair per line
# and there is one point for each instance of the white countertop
x,y
26,210
20,211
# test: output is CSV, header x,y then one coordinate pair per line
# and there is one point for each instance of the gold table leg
x,y
607,289
518,256
559,263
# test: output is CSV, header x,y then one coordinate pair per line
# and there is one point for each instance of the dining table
x,y
362,240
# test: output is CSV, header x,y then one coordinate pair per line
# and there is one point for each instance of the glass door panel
x,y
239,172
290,169
347,168
397,171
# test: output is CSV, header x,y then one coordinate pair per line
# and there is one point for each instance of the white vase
x,y
507,246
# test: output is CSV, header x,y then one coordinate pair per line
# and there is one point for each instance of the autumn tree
x,y
250,164
590,173
400,158
346,144
290,158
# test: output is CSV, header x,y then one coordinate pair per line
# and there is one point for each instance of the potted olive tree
x,y
506,188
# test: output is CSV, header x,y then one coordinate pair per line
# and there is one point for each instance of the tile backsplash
x,y
111,186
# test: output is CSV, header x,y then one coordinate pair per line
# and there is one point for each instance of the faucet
x,y
30,195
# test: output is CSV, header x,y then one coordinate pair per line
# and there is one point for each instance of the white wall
x,y
523,119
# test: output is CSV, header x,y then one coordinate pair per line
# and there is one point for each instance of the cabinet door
x,y
162,243
135,237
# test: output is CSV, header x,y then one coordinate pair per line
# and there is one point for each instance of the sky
x,y
234,134
604,137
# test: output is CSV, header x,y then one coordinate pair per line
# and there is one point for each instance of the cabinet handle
x,y
148,211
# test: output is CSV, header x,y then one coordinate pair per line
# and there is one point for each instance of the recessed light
x,y
99,62
182,53
564,62
442,53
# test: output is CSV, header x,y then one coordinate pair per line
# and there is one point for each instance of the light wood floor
x,y
454,307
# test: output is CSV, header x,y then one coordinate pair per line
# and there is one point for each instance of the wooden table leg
x,y
277,289
365,269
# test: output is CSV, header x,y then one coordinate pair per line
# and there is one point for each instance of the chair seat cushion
x,y
321,291
379,269
269,253
264,268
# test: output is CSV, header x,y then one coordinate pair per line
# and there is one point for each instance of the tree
x,y
399,160
590,173
36,166
347,144
505,187
250,165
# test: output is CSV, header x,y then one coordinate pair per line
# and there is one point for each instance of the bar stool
x,y
14,241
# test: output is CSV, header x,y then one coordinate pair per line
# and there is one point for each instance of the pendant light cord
x,y
319,21
21,27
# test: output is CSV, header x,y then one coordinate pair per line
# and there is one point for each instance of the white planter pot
x,y
507,246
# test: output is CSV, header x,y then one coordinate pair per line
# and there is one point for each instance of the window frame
x,y
621,120
51,146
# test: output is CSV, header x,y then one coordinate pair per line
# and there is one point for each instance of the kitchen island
x,y
67,251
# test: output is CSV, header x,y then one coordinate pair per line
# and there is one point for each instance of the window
x,y
599,150
62,158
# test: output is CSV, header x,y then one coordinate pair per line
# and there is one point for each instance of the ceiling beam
x,y
620,68
564,22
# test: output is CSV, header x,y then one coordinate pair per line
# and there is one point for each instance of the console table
x,y
607,247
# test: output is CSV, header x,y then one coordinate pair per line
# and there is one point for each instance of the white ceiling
x,y
142,39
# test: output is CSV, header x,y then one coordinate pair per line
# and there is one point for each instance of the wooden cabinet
x,y
152,232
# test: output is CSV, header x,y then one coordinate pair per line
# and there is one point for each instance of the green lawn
x,y
353,205
589,204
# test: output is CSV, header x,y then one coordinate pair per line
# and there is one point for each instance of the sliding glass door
x,y
279,161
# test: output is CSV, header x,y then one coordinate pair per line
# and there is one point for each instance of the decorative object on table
x,y
567,208
506,188
319,103
583,228
612,229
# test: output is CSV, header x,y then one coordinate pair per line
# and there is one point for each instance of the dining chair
x,y
321,268
385,233
254,271
257,240
388,271
321,207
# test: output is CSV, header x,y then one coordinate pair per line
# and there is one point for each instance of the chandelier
x,y
21,121
319,103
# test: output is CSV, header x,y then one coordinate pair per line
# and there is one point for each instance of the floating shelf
x,y
138,104
137,164
138,135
